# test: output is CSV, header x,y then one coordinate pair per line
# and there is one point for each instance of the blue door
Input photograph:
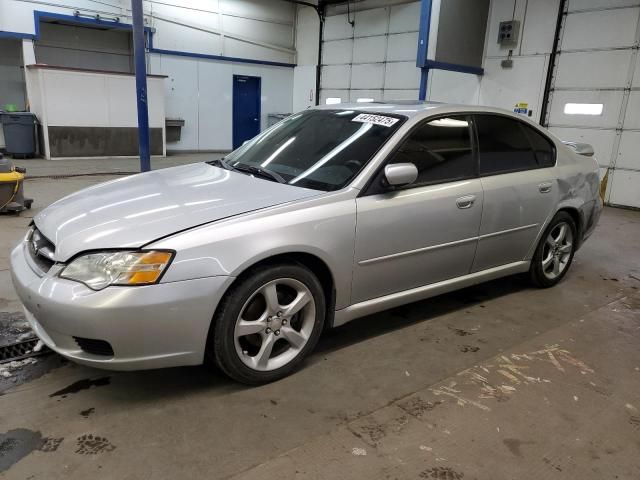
x,y
246,108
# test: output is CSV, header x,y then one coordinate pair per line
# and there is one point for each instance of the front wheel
x,y
268,323
555,251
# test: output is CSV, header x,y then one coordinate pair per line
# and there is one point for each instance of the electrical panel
x,y
508,33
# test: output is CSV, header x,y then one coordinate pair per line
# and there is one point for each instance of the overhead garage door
x,y
595,96
375,59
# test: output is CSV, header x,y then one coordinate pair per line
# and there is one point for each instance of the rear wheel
x,y
555,251
268,323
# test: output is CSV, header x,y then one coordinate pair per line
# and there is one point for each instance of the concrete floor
x,y
498,381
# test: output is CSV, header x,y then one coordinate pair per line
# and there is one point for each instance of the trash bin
x,y
19,133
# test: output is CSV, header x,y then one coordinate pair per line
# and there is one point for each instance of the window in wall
x,y
441,149
583,108
503,145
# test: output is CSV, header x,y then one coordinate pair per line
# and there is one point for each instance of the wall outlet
x,y
508,33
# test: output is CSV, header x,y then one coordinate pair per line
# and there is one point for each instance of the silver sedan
x,y
332,214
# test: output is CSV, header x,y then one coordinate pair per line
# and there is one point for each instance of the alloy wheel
x,y
274,324
557,250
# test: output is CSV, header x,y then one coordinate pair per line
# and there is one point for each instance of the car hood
x,y
132,211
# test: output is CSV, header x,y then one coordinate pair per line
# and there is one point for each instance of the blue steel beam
x,y
424,76
423,33
423,46
141,84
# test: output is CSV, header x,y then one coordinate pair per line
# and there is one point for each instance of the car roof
x,y
413,108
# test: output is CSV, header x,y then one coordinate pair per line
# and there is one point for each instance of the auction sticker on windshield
x,y
375,119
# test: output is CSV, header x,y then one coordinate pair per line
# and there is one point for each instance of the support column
x,y
423,46
141,84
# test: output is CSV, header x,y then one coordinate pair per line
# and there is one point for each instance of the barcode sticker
x,y
375,119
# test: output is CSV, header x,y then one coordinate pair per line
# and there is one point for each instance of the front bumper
x,y
152,326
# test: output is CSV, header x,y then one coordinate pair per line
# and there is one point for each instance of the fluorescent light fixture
x,y
364,100
332,101
583,108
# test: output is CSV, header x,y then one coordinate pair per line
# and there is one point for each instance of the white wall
x,y
304,74
16,16
524,82
453,87
71,98
199,90
504,87
256,29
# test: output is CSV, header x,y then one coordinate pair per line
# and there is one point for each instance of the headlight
x,y
101,269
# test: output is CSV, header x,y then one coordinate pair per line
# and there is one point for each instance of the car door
x,y
519,184
427,231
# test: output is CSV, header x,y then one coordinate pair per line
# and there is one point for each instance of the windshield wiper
x,y
219,162
263,172
241,167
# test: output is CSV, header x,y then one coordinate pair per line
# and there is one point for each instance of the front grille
x,y
41,250
94,346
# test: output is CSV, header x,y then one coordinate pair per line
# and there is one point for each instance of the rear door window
x,y
503,145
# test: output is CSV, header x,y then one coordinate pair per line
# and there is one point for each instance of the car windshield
x,y
318,149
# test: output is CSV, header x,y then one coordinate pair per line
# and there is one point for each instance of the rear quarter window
x,y
543,148
503,145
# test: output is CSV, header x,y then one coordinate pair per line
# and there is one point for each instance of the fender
x,y
314,226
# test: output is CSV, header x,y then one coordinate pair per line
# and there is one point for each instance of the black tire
x,y
537,272
221,346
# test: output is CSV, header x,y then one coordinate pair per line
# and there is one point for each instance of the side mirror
x,y
400,174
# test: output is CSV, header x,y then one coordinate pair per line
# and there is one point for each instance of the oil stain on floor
x,y
84,384
16,444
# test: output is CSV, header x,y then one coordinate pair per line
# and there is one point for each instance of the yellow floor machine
x,y
12,188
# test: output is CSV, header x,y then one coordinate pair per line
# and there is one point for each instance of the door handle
x,y
544,187
466,201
